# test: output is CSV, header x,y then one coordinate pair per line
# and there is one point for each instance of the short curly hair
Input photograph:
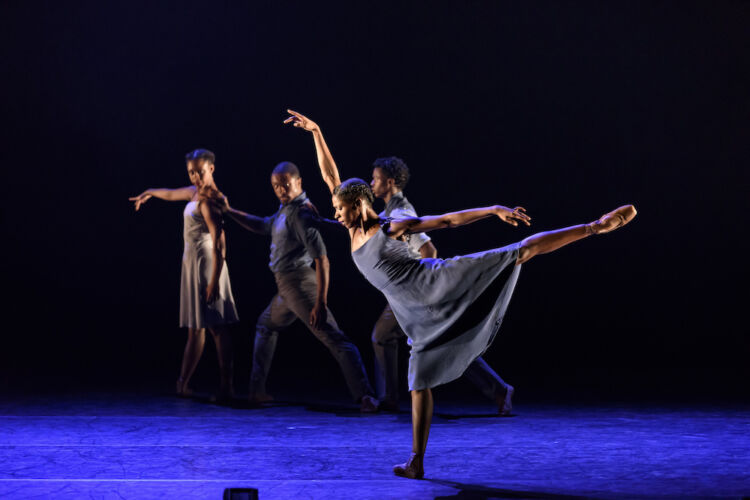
x,y
394,168
201,154
353,189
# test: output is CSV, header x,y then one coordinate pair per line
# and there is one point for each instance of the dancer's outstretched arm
x,y
328,168
248,221
180,194
454,219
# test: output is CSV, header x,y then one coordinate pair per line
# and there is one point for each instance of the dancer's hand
x,y
221,203
512,216
140,199
211,293
301,121
318,315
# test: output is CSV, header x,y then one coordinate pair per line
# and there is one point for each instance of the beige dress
x,y
197,266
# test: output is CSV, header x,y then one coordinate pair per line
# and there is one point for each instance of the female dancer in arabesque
x,y
450,309
206,299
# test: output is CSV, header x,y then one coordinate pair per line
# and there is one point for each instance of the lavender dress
x,y
450,309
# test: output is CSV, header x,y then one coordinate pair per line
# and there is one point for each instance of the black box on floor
x,y
240,494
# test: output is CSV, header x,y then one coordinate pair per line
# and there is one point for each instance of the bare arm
x,y
428,251
328,169
319,312
213,220
180,194
455,219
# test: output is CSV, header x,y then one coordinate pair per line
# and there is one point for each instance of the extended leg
x,y
224,352
274,318
192,354
421,419
552,240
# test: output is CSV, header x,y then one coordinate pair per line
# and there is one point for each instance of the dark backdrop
x,y
567,108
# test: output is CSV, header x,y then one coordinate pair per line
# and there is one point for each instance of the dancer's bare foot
x,y
182,390
504,403
613,220
259,398
368,404
412,469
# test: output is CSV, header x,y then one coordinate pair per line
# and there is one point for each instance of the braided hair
x,y
353,189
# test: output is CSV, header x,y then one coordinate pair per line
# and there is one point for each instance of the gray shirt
x,y
295,238
398,207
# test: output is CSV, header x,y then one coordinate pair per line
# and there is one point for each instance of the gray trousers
x,y
385,339
295,299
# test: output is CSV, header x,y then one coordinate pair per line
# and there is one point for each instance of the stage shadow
x,y
478,492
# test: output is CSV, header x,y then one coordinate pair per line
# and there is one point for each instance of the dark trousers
x,y
297,292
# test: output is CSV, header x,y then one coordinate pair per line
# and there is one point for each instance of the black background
x,y
567,108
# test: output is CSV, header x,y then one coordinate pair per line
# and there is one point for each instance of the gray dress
x,y
450,309
197,266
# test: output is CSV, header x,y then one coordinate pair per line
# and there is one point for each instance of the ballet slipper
x,y
504,403
612,220
369,404
412,469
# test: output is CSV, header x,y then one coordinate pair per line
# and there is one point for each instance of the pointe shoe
x,y
413,469
369,404
504,403
613,220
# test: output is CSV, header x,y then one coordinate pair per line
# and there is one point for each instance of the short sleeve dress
x,y
450,309
197,266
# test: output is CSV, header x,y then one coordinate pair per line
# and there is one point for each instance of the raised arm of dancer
x,y
455,219
328,168
180,194
212,216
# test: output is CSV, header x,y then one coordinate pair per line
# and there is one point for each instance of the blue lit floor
x,y
150,446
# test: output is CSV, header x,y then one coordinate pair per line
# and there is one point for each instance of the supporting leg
x,y
224,353
192,354
421,419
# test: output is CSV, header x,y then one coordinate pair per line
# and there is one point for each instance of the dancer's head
x,y
389,175
351,199
286,182
200,167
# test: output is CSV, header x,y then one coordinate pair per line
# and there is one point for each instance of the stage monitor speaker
x,y
240,494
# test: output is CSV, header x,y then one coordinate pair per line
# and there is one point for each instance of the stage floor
x,y
157,446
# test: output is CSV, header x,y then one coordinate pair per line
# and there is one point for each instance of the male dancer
x,y
389,177
302,292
